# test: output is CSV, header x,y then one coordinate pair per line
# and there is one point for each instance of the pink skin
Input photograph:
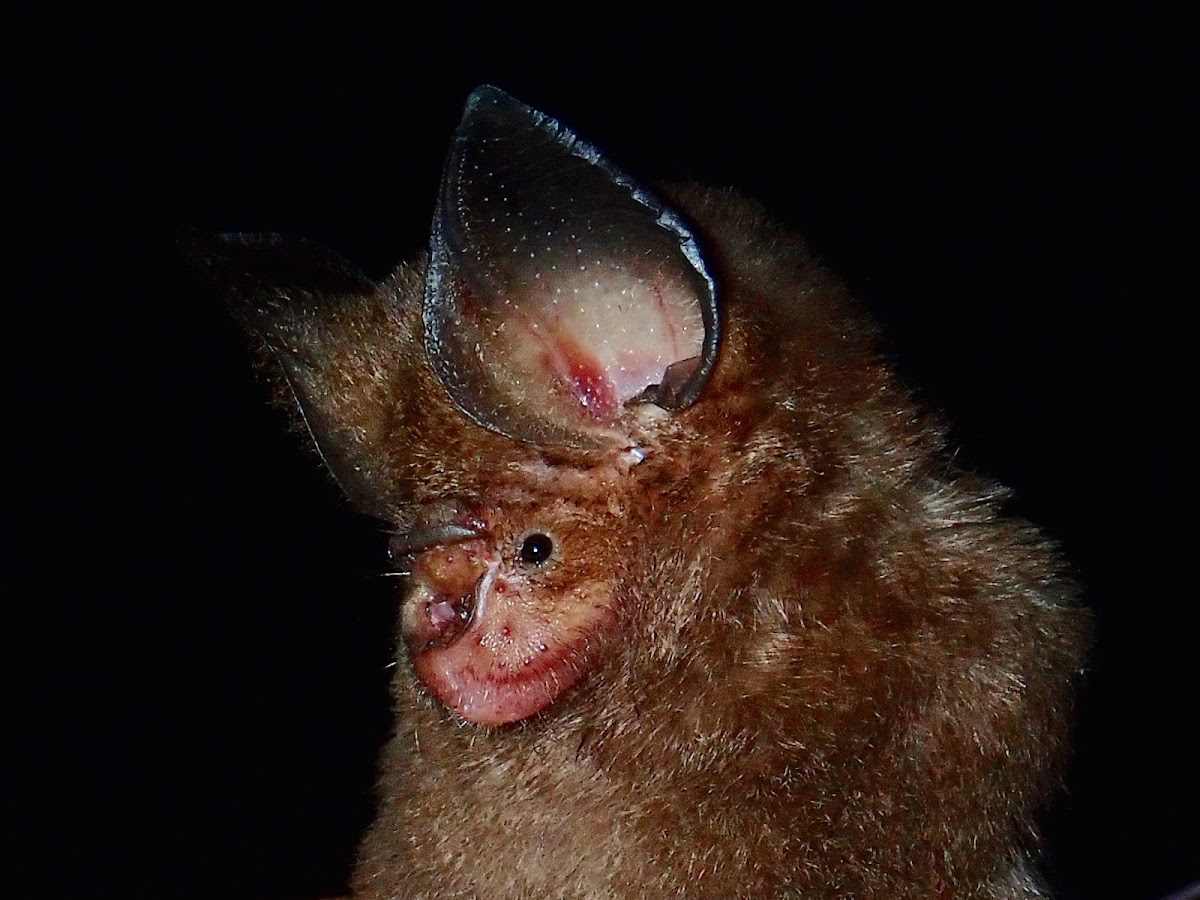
x,y
488,642
616,336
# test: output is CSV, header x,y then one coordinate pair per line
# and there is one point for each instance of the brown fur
x,y
837,670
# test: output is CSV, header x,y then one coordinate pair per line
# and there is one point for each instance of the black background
x,y
199,636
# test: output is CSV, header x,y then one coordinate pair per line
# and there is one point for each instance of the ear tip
x,y
488,107
489,93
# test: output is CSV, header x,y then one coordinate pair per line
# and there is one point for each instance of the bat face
x,y
505,608
695,605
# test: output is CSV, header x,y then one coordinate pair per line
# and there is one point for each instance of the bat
x,y
694,602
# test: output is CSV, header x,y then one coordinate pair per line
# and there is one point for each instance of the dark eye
x,y
536,549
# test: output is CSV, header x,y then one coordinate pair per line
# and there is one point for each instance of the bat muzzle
x,y
446,593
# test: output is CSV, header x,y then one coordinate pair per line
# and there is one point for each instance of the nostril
x,y
433,622
441,613
443,595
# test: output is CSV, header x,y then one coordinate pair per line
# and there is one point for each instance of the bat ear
x,y
558,291
289,294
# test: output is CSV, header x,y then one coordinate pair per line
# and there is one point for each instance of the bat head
x,y
504,403
654,491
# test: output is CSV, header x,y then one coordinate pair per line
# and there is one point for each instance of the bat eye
x,y
536,549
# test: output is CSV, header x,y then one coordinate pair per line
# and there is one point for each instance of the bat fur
x,y
824,664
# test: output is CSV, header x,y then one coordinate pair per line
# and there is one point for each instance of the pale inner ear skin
x,y
558,291
592,340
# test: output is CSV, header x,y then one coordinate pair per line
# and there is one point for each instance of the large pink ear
x,y
559,292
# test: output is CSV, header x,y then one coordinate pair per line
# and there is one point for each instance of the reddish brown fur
x,y
837,671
